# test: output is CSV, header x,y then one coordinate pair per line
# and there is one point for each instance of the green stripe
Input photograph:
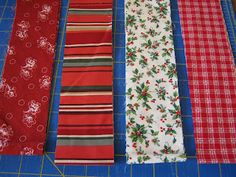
x,y
87,64
85,142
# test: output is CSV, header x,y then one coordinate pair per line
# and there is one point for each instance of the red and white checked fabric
x,y
212,80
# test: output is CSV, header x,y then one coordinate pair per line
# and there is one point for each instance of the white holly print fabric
x,y
154,126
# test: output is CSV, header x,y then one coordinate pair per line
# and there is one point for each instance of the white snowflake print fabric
x,y
153,120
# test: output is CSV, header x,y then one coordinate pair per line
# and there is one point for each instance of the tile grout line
x,y
19,170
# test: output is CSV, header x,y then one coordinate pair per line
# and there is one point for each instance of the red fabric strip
x,y
72,2
88,50
85,119
86,100
89,18
27,75
91,99
87,69
87,78
212,80
88,37
85,152
99,130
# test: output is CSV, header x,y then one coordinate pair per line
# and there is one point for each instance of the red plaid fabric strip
x,y
212,80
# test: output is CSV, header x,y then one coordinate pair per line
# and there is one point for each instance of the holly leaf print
x,y
162,10
161,93
138,133
136,75
171,71
175,112
130,20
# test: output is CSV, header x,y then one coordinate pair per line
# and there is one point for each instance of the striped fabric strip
x,y
85,127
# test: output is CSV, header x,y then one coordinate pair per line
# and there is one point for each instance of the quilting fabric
x,y
154,126
26,79
212,80
85,128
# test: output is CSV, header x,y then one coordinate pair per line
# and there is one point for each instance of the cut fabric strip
x,y
212,80
154,126
85,128
26,80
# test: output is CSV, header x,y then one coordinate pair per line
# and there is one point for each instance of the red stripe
x,y
99,130
86,69
87,78
90,1
87,37
88,50
85,119
100,99
91,6
89,18
85,152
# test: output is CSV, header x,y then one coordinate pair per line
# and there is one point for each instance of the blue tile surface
x,y
43,166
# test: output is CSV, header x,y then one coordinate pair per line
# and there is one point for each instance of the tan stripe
x,y
87,57
84,93
84,161
84,136
89,28
85,106
85,45
85,110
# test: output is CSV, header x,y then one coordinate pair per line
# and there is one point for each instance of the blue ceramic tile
x,y
145,170
119,87
185,105
120,125
119,40
209,170
188,168
28,162
6,25
11,2
188,126
120,169
189,143
183,89
119,104
51,142
165,170
119,143
120,27
9,12
14,162
75,170
119,70
98,171
4,36
120,54
49,167
228,170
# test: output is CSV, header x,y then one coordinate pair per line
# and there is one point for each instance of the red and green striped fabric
x,y
85,128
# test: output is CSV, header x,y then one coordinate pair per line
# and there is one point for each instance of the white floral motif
x,y
45,82
29,116
5,133
23,28
27,69
44,44
27,151
44,13
7,90
11,50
